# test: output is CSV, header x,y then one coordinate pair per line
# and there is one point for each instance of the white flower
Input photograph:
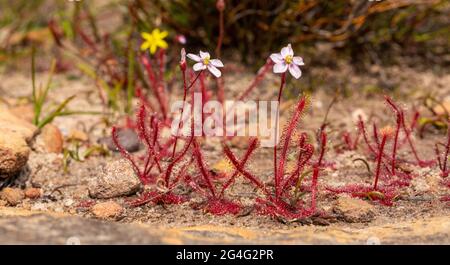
x,y
286,60
204,61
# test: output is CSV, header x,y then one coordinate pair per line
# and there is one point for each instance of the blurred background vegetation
x,y
357,30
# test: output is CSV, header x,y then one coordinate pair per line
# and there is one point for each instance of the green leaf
x,y
130,77
56,112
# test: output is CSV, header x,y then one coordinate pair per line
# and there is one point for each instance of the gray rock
x,y
114,179
48,229
127,138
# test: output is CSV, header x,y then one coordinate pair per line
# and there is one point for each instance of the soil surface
x,y
63,213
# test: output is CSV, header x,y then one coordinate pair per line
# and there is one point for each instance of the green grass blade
x,y
80,112
56,112
49,82
130,77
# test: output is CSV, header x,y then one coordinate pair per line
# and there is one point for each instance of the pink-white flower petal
x,y
295,71
216,62
216,72
276,58
199,67
287,51
204,55
298,60
194,57
181,39
280,68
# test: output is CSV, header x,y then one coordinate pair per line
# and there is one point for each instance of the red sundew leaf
x,y
252,146
158,198
222,207
281,209
203,169
402,124
288,134
242,170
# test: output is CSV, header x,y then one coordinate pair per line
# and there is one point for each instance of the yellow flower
x,y
154,40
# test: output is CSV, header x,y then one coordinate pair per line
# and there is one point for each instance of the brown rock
x,y
50,140
353,210
12,196
33,193
14,152
108,209
14,124
114,179
25,112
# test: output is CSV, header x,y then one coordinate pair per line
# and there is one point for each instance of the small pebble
x,y
12,195
33,193
126,137
107,209
115,179
50,140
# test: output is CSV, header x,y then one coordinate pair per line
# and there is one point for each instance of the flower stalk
x,y
277,179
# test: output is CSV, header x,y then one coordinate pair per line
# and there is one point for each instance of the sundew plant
x,y
152,63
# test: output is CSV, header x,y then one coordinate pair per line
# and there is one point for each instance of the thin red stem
x,y
221,33
183,152
316,171
394,148
445,172
183,71
186,88
219,81
124,152
277,179
258,78
379,157
242,170
155,86
204,172
251,148
292,125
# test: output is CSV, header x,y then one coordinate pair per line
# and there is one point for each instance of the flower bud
x,y
180,39
183,60
220,5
